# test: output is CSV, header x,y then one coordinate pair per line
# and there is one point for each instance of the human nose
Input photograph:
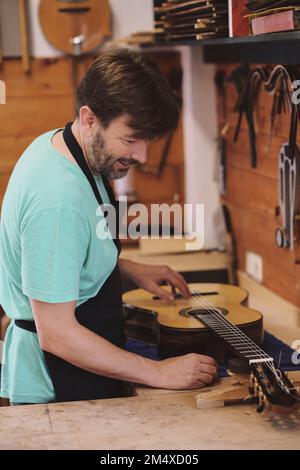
x,y
140,152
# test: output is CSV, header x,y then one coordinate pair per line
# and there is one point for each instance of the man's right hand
x,y
190,371
60,334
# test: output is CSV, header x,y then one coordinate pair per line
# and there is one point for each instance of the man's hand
x,y
186,372
150,277
60,334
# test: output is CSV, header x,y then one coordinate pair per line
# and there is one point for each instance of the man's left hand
x,y
150,278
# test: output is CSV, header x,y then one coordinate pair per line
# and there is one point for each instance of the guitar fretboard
x,y
240,343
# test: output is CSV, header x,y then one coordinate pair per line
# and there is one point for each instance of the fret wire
x,y
218,316
239,345
222,323
230,328
229,333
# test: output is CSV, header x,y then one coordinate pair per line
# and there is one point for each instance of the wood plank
x,y
49,77
157,190
262,240
238,154
285,284
253,192
281,317
34,116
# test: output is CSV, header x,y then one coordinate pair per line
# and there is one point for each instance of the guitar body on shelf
x,y
175,330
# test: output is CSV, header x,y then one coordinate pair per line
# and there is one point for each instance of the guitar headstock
x,y
272,388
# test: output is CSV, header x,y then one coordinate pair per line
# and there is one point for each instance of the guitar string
x,y
220,317
269,364
238,333
230,328
235,330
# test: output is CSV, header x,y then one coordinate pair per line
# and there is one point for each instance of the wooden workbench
x,y
159,419
155,419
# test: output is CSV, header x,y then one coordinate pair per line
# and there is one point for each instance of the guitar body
x,y
62,21
174,330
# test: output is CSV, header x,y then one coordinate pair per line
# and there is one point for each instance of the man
x,y
60,283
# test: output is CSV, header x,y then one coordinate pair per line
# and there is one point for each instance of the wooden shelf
x,y
282,48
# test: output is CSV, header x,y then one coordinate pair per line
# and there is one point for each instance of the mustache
x,y
127,161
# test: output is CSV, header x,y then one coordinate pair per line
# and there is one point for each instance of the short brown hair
x,y
123,81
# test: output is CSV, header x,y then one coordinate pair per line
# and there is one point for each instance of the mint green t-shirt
x,y
49,251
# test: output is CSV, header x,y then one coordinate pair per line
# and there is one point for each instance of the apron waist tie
x,y
28,325
74,384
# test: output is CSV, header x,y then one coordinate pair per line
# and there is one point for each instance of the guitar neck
x,y
235,339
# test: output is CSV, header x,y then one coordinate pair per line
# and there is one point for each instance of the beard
x,y
101,161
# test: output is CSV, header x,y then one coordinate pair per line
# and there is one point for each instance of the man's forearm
x,y
86,350
127,268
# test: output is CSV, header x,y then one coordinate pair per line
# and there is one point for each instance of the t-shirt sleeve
x,y
54,245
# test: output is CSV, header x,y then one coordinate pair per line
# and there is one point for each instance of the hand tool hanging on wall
x,y
230,245
220,79
75,26
245,105
276,82
287,233
279,83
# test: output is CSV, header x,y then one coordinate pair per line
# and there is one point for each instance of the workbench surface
x,y
155,419
160,419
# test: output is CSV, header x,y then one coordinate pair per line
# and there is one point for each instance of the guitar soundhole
x,y
191,312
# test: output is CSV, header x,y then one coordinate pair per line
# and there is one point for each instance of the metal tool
x,y
287,234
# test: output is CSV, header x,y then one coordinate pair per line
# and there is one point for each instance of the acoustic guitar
x,y
75,26
214,321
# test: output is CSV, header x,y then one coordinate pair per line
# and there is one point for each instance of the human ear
x,y
87,120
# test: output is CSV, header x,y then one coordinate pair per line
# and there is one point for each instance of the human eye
x,y
128,140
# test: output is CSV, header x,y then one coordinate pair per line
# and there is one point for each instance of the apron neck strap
x,y
77,153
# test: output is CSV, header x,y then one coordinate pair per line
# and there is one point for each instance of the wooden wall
x,y
35,104
252,194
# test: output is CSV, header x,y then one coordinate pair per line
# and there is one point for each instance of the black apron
x,y
101,314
